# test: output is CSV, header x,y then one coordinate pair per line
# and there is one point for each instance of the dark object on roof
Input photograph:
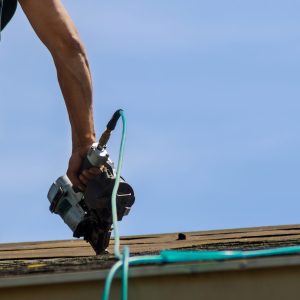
x,y
181,237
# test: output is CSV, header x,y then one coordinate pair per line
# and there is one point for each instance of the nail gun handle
x,y
96,157
85,165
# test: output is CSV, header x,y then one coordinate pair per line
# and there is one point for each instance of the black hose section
x,y
111,125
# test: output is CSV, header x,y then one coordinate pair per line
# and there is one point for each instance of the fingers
x,y
75,180
82,180
74,166
88,175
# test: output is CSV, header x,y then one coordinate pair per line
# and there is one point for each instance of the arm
x,y
56,30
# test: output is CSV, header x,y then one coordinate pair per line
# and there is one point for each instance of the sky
x,y
211,94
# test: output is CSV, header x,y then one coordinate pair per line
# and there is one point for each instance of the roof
x,y
69,256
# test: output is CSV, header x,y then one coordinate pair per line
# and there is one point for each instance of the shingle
x,y
77,255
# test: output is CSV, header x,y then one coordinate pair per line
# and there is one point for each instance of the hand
x,y
80,180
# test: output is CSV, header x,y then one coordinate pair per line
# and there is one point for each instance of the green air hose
x,y
167,256
116,186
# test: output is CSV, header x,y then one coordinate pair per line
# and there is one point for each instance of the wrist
x,y
82,146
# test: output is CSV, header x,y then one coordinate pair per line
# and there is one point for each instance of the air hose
x,y
167,256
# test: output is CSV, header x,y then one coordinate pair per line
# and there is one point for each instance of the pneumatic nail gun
x,y
89,213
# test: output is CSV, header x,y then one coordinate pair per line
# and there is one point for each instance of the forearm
x,y
76,85
56,30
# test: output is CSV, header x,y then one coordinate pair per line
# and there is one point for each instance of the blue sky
x,y
211,92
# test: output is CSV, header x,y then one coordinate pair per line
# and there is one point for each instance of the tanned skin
x,y
54,27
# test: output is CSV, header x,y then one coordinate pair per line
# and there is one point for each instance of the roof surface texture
x,y
76,255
